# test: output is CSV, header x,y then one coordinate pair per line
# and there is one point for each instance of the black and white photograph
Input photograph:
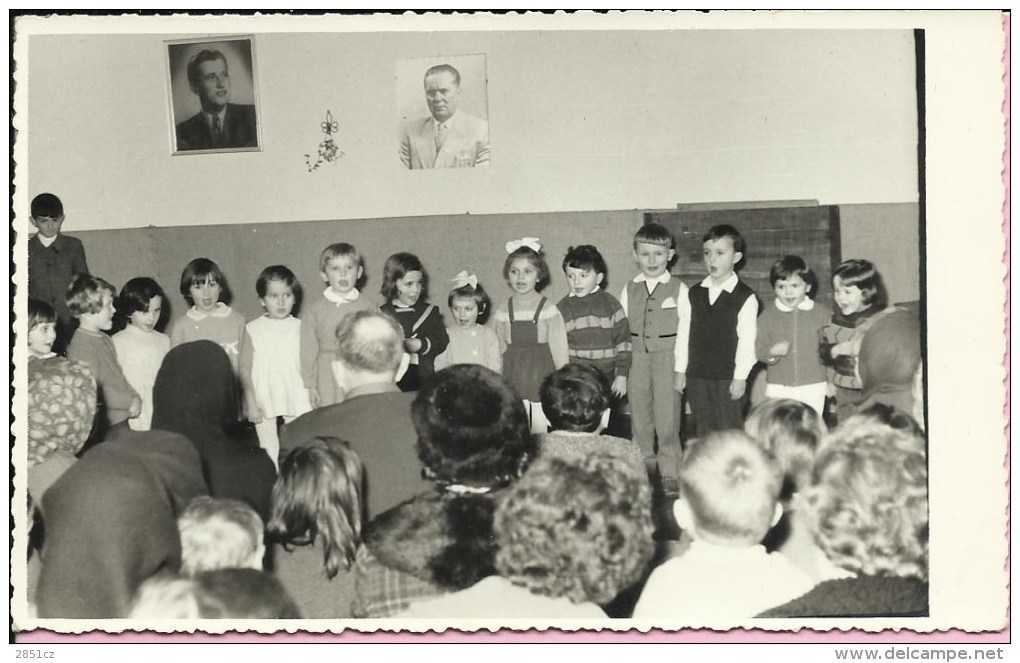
x,y
443,112
713,342
212,95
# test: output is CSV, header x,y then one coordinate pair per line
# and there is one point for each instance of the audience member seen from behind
x,y
140,346
195,395
868,509
218,594
576,399
219,534
474,441
316,526
729,498
571,535
471,340
793,432
53,261
889,364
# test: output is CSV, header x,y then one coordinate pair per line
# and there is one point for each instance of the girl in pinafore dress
x,y
530,328
271,359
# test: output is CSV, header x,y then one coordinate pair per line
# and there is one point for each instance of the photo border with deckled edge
x,y
990,196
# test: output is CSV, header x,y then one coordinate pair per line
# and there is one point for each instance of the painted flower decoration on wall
x,y
328,151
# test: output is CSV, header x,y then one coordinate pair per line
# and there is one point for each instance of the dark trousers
x,y
712,407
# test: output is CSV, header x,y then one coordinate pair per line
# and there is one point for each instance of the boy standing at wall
x,y
715,350
655,302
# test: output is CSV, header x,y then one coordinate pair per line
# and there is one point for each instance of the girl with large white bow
x,y
471,341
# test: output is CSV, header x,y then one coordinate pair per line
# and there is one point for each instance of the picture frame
x,y
219,112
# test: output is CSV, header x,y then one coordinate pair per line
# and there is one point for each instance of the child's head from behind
x,y
340,267
472,428
278,290
525,269
793,432
219,594
141,302
203,285
576,398
857,285
404,279
468,302
729,490
723,250
653,249
317,500
219,533
585,269
90,299
47,214
792,280
579,528
42,327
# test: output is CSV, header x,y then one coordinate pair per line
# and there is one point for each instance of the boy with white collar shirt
x,y
715,351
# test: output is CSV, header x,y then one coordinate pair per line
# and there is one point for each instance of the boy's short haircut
x,y
789,266
476,293
85,294
199,271
732,485
136,295
279,273
654,233
47,204
574,398
726,230
338,250
585,257
864,275
217,534
39,312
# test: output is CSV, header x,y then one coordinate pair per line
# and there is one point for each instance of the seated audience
x,y
868,509
219,534
473,440
889,363
571,534
195,394
316,526
216,594
111,523
729,498
576,399
793,432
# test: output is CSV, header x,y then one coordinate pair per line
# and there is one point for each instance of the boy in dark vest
x,y
656,304
715,353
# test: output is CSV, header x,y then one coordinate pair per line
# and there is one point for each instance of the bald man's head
x,y
370,342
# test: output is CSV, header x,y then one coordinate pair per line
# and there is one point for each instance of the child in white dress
x,y
271,359
471,341
140,347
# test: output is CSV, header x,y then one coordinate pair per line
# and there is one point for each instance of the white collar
x,y
47,241
661,278
222,311
593,291
728,285
209,117
806,304
338,299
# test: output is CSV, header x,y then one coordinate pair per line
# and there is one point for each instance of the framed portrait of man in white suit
x,y
443,118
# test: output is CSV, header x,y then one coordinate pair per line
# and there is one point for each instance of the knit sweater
x,y
115,394
800,327
598,333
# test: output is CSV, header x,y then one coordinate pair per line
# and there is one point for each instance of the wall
x,y
580,120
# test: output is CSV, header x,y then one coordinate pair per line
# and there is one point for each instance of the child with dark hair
x,y
729,498
572,534
576,400
471,341
271,359
42,329
716,351
788,335
90,300
340,266
210,317
140,346
861,300
316,526
474,441
405,289
53,261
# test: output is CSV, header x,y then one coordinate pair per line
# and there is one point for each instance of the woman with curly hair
x,y
572,533
315,524
868,508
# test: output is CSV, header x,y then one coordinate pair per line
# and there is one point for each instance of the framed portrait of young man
x,y
213,95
